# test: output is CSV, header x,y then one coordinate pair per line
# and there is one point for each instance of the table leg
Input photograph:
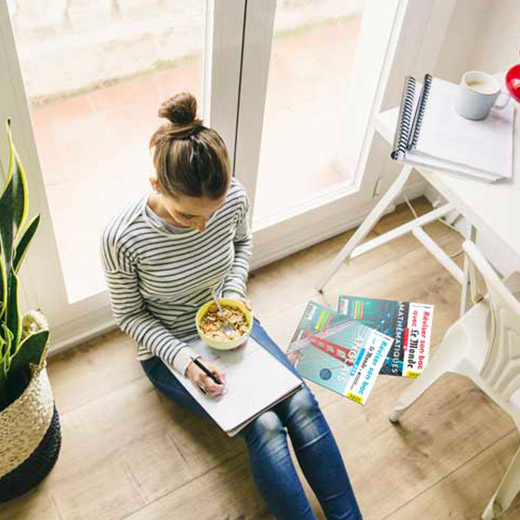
x,y
465,296
367,225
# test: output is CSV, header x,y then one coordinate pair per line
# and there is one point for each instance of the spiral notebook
x,y
430,133
256,381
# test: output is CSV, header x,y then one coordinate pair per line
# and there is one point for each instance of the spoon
x,y
229,331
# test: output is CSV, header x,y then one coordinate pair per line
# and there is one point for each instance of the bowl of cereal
x,y
210,323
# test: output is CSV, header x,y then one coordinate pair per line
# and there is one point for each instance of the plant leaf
x,y
8,335
21,190
3,382
24,242
13,202
3,282
12,318
31,350
3,352
6,225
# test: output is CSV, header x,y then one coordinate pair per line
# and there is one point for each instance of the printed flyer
x,y
337,352
410,325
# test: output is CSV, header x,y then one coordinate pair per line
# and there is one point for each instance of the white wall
x,y
482,35
419,44
498,43
461,41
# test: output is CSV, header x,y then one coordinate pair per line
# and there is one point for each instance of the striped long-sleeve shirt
x,y
159,275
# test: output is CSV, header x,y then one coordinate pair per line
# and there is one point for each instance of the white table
x,y
494,208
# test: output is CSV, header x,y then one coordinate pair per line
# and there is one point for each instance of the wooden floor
x,y
128,453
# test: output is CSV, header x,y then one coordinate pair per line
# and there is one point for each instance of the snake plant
x,y
23,340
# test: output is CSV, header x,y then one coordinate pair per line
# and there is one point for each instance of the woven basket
x,y
30,437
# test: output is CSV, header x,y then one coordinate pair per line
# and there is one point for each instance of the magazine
x,y
337,352
410,325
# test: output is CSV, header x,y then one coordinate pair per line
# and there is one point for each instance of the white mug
x,y
478,93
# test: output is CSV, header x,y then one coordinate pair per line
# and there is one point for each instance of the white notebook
x,y
256,381
432,134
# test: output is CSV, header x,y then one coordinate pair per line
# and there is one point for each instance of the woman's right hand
x,y
203,381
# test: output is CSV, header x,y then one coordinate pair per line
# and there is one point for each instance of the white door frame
x,y
40,276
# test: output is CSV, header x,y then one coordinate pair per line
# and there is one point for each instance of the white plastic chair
x,y
483,345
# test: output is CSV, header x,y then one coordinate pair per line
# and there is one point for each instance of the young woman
x,y
162,255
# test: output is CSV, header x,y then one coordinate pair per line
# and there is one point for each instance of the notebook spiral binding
x,y
409,122
419,114
404,120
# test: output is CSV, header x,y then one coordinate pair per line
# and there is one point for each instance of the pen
x,y
207,371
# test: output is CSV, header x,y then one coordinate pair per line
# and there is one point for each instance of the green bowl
x,y
232,343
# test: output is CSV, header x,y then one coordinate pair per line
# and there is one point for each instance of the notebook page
x,y
432,163
485,145
255,380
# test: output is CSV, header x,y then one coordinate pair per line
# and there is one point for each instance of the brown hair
x,y
189,158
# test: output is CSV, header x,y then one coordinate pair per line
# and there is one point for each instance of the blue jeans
x,y
270,459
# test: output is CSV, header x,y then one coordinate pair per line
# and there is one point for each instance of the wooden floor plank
x,y
157,444
93,375
105,491
226,492
465,492
36,504
391,464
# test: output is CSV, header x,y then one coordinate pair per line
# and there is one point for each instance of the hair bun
x,y
180,109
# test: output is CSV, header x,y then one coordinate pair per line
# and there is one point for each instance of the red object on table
x,y
513,81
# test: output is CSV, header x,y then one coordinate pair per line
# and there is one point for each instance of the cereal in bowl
x,y
212,323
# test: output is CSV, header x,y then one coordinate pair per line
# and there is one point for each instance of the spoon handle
x,y
215,297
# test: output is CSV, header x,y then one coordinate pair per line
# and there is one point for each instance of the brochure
x,y
338,352
410,325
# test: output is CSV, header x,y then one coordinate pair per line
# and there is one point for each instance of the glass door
x,y
312,71
312,54
84,83
95,74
